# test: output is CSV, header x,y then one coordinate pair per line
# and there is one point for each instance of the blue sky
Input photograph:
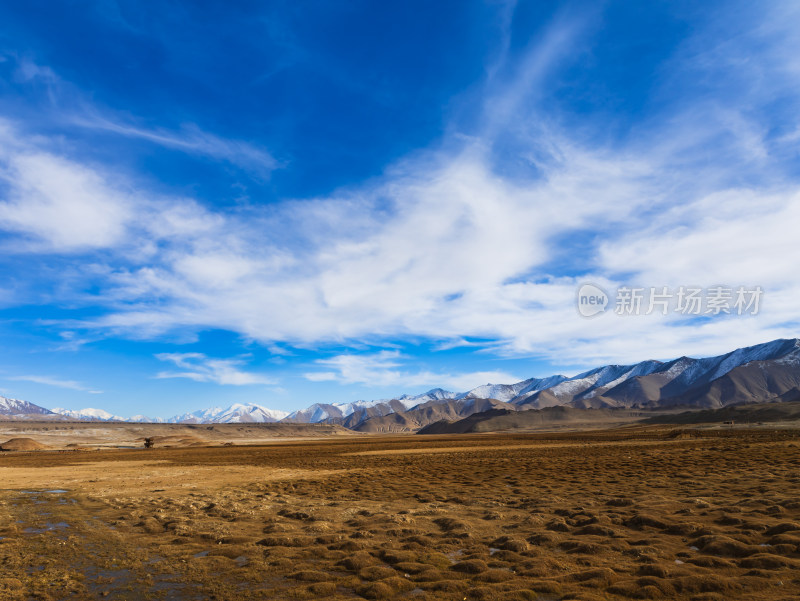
x,y
297,202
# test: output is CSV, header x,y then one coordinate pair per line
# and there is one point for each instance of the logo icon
x,y
592,300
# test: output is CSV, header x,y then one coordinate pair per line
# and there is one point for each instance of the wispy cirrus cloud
x,y
192,140
57,382
201,368
28,70
71,107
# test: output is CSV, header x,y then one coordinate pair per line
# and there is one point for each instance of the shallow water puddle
x,y
32,569
124,584
48,527
455,556
109,583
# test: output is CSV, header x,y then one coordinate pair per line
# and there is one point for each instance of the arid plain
x,y
636,512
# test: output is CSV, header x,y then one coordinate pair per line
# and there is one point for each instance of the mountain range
x,y
17,407
761,373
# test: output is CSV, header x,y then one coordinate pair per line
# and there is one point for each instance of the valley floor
x,y
652,513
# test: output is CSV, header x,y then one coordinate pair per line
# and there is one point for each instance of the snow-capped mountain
x,y
89,414
316,413
319,412
200,416
436,394
249,413
681,381
501,392
235,414
752,374
144,419
585,385
17,407
702,371
507,392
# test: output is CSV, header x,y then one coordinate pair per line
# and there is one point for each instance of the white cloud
x,y
57,382
60,204
443,246
738,236
279,351
384,369
442,264
55,204
200,368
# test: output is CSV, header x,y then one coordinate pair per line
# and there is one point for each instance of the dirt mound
x,y
22,444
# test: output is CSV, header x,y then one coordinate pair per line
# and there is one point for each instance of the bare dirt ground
x,y
115,435
639,513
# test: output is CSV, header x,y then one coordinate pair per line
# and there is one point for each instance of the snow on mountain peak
x,y
501,392
143,419
18,407
88,413
236,413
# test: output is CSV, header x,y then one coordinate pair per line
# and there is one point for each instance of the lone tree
x,y
149,443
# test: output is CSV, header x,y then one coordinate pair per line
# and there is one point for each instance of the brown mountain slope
x,y
428,413
640,390
790,396
355,419
755,382
738,414
500,420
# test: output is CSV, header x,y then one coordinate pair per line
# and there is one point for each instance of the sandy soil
x,y
648,514
101,435
140,477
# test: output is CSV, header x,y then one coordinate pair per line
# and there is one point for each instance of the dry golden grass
x,y
632,514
